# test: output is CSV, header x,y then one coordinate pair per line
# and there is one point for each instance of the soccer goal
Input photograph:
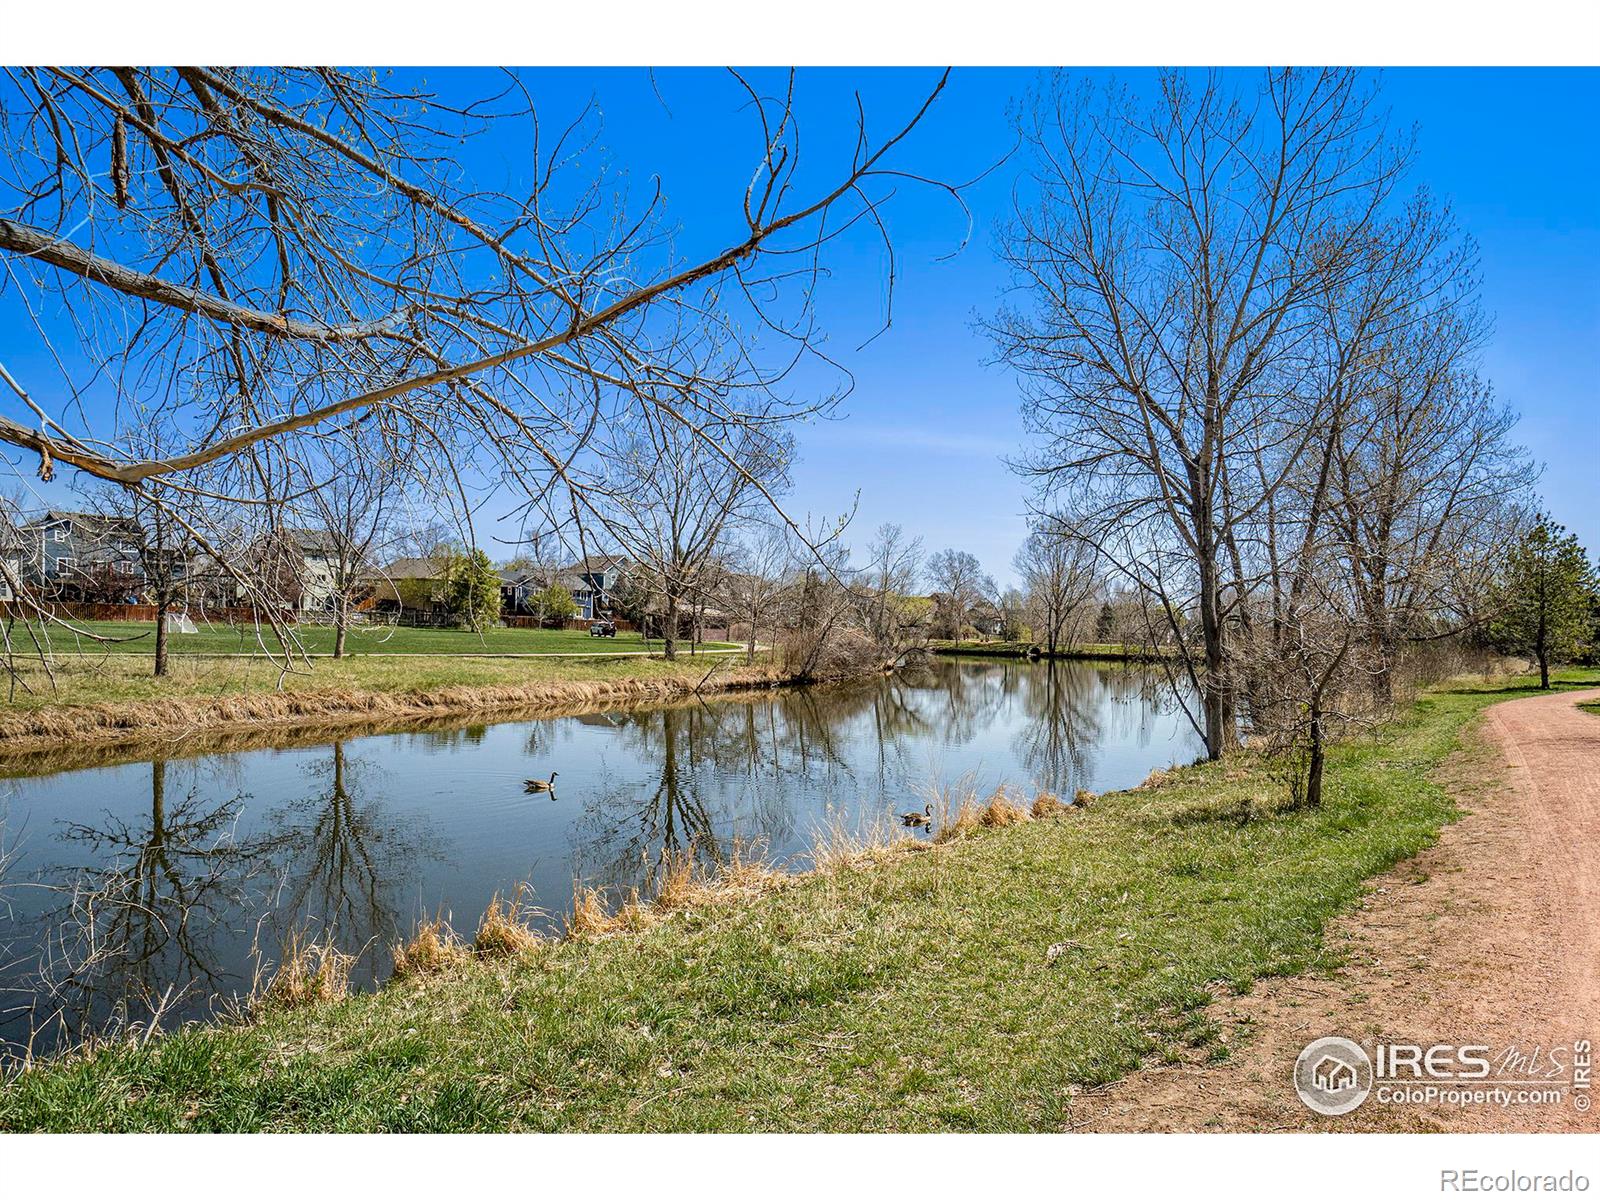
x,y
180,622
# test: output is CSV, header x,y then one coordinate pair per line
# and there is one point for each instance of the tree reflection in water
x,y
154,905
137,927
344,858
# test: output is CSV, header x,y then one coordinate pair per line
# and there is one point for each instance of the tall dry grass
x,y
434,947
310,971
504,930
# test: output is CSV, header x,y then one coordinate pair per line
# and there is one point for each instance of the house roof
x,y
94,524
593,563
313,541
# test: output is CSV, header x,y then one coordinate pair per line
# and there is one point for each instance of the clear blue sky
x,y
1516,151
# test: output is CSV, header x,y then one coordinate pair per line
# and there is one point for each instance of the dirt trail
x,y
1492,936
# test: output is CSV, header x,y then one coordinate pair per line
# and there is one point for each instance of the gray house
x,y
592,581
83,554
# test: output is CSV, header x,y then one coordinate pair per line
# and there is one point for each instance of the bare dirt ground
x,y
1490,937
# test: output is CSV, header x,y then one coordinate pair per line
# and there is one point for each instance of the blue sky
x,y
1517,152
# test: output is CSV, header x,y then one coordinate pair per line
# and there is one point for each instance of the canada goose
x,y
914,819
542,785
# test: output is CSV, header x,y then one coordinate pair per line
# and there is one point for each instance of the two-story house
x,y
82,556
593,581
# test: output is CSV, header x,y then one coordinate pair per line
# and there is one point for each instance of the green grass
x,y
915,995
138,637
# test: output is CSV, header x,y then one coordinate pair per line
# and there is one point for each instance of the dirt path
x,y
1491,937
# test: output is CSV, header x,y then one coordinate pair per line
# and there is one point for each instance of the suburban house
x,y
592,581
11,544
410,588
299,568
516,587
81,556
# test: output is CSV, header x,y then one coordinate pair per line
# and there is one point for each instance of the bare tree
x,y
675,503
254,254
1171,262
753,586
886,586
1059,573
958,578
354,502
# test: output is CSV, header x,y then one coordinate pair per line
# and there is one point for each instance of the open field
x,y
977,985
138,637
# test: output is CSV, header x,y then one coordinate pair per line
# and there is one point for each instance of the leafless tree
x,y
353,502
1059,572
756,580
958,578
675,503
256,253
1170,264
886,585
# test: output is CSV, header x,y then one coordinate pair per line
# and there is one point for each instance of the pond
x,y
149,885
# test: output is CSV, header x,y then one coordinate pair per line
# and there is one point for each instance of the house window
x,y
60,534
65,566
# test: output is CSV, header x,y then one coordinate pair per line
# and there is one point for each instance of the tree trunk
x,y
669,627
163,604
1314,768
1212,686
340,623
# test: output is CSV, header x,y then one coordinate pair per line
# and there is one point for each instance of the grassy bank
x,y
138,638
114,697
974,985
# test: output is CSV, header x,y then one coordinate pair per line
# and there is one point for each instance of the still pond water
x,y
146,883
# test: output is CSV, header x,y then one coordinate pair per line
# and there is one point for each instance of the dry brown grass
x,y
1084,798
311,972
503,931
589,916
23,730
1001,811
432,948
1048,804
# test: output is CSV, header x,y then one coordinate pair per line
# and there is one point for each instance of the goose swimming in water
x,y
542,785
916,819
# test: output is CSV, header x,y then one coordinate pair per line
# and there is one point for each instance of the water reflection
x,y
130,924
344,857
142,887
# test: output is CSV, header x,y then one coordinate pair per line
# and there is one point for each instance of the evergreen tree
x,y
1545,598
472,589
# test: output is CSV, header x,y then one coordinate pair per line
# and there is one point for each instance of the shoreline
x,y
1032,651
33,734
498,1033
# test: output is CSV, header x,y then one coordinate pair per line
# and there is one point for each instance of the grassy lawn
x,y
138,637
913,995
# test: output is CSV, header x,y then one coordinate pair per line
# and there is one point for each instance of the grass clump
x,y
434,947
503,931
1048,804
312,972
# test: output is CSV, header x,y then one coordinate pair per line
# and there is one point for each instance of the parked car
x,y
603,629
